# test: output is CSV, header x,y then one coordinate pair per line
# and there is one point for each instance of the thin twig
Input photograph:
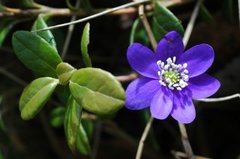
x,y
143,138
51,136
147,26
113,129
13,12
69,33
180,155
154,45
65,12
220,99
19,81
95,15
185,141
12,77
191,23
239,13
127,78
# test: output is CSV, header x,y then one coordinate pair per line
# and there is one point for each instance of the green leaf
x,y
57,116
64,72
71,122
29,4
97,91
47,35
138,33
82,141
35,53
5,26
35,95
164,21
88,126
76,136
84,46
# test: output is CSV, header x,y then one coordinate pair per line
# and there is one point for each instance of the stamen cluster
x,y
174,76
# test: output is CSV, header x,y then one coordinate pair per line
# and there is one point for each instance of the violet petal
x,y
171,45
139,93
203,86
183,109
142,60
162,103
198,58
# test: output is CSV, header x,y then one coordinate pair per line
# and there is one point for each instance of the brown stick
x,y
12,12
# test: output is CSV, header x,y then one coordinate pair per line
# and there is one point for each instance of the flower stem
x,y
12,77
187,34
185,141
143,138
147,26
220,99
69,33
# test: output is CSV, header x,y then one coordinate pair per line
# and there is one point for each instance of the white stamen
x,y
185,71
179,88
169,60
174,59
176,85
185,65
162,83
162,64
166,67
171,75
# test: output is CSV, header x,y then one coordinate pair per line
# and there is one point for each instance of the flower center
x,y
171,75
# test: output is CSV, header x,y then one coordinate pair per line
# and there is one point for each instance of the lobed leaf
x,y
35,95
35,53
97,91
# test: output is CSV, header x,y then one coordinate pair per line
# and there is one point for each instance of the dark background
x,y
215,133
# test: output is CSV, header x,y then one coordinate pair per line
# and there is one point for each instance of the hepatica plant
x,y
171,78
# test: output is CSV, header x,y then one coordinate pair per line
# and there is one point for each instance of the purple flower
x,y
170,78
